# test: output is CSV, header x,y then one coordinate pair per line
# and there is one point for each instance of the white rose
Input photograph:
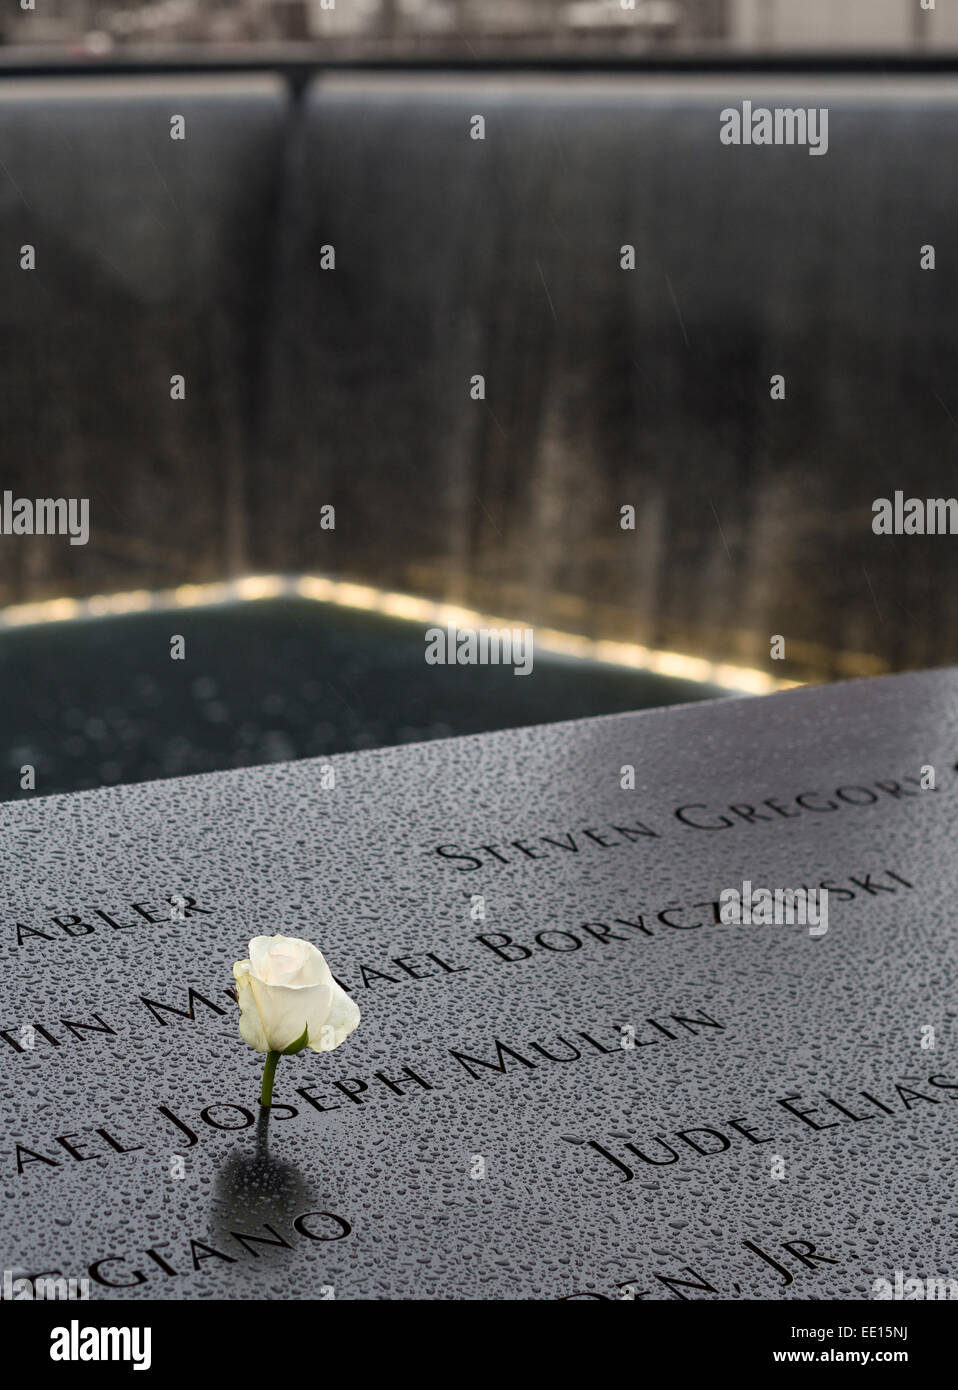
x,y
285,989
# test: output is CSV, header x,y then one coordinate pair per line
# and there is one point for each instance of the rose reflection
x,y
255,1190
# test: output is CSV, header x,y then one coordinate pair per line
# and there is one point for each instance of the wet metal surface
x,y
568,919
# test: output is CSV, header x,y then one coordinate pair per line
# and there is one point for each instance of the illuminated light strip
x,y
621,653
749,680
54,610
317,588
692,668
446,613
407,607
419,610
549,639
358,596
104,605
199,595
260,586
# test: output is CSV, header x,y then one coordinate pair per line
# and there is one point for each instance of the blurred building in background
x,y
103,26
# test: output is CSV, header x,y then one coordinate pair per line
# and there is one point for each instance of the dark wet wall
x,y
501,257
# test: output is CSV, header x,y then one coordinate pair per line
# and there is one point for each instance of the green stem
x,y
269,1071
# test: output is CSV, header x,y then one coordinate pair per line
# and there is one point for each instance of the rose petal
x,y
342,1019
251,1023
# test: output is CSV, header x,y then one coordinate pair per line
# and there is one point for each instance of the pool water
x,y
100,701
